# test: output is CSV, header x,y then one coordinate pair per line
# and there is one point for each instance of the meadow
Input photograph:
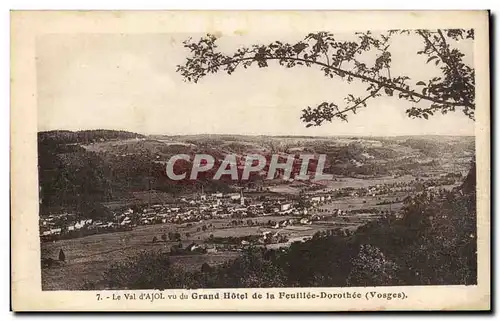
x,y
88,257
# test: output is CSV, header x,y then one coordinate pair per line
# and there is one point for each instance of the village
x,y
257,217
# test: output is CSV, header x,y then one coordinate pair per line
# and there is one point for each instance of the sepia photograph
x,y
295,160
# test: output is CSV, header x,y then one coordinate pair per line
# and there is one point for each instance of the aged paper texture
x,y
250,161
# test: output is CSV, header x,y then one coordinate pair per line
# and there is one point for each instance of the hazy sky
x,y
128,82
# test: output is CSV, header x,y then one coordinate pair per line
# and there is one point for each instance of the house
x,y
316,199
285,206
79,225
234,196
304,221
211,249
193,247
55,231
126,221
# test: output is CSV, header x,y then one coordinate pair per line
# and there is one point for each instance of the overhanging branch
x,y
349,73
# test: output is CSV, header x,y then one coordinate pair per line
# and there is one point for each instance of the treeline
x,y
84,136
74,179
83,180
77,180
433,243
435,147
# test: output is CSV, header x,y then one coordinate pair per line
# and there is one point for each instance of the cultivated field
x,y
88,257
363,183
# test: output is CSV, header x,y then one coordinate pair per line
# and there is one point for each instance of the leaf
x,y
431,58
426,116
420,83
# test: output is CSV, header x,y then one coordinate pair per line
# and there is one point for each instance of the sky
x,y
129,82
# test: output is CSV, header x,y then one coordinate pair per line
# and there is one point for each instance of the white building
x,y
285,206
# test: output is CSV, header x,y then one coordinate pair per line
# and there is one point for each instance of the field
x,y
342,182
358,203
88,257
363,183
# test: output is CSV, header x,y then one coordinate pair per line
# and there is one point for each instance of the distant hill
x,y
84,136
83,169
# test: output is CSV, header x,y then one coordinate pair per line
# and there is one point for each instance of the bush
x,y
372,268
148,270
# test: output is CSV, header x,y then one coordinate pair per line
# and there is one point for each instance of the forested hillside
x,y
81,171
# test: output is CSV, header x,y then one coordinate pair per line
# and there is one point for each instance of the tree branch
x,y
346,72
361,102
324,111
441,56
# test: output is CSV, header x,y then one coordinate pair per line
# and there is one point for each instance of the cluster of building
x,y
198,208
68,225
203,207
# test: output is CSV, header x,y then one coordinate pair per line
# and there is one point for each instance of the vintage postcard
x,y
250,161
